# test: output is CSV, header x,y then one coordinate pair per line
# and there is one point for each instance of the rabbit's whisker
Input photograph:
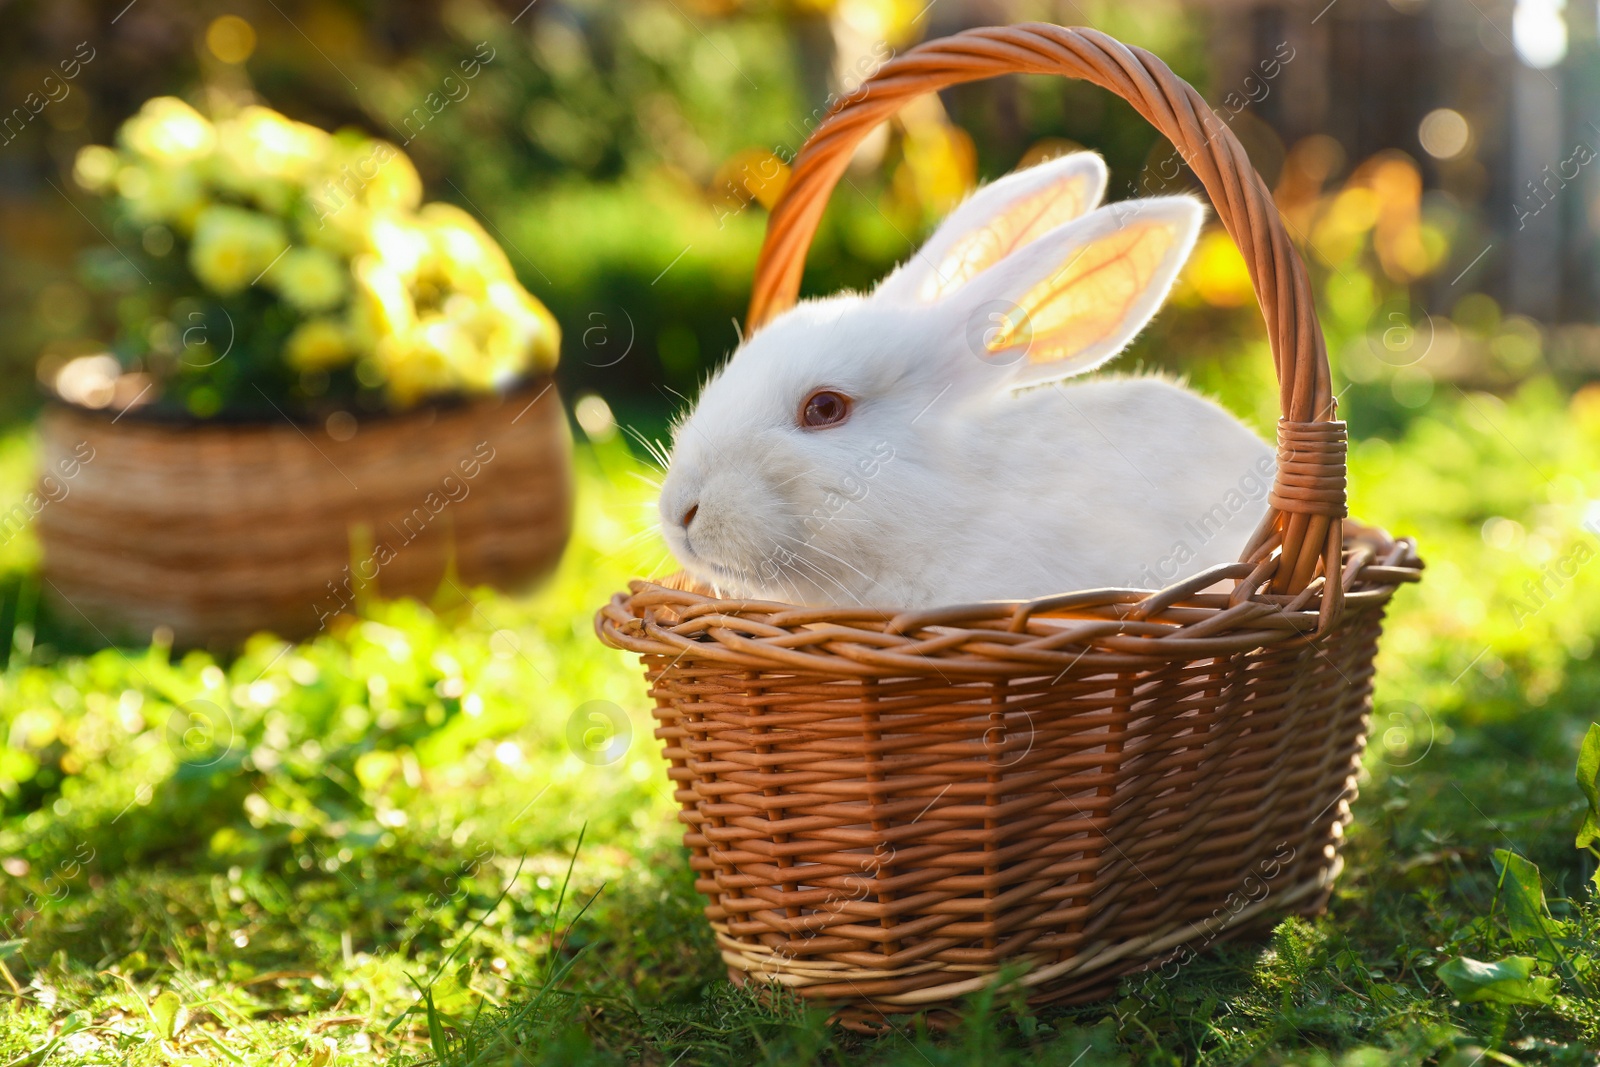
x,y
802,474
656,570
653,447
840,585
829,555
812,565
631,542
791,591
638,536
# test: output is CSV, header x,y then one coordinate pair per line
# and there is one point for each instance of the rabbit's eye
x,y
824,408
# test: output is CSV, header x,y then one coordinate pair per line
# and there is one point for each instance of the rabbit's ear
x,y
996,221
1076,296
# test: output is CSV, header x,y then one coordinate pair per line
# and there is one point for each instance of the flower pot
x,y
218,530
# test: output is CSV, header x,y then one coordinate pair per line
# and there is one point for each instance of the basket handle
x,y
1307,501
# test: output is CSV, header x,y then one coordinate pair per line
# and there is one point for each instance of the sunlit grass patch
x,y
289,855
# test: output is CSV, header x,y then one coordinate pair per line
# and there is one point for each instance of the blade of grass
x,y
460,944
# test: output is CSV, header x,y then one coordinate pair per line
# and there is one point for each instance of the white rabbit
x,y
876,449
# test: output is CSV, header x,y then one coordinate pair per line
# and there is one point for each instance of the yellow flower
x,y
96,168
421,298
502,358
163,194
400,243
232,247
421,362
167,130
133,183
384,307
526,327
448,338
467,256
319,344
340,228
394,184
309,279
267,157
276,144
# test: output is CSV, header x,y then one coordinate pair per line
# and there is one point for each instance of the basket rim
x,y
438,404
1085,631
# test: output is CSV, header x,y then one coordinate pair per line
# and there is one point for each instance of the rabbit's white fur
x,y
946,484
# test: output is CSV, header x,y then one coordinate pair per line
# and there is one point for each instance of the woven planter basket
x,y
218,531
887,811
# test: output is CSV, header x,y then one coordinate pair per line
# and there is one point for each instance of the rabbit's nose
x,y
688,516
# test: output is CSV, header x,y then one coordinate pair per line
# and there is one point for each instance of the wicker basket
x,y
888,811
218,531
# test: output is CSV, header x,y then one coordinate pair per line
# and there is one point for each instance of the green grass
x,y
397,842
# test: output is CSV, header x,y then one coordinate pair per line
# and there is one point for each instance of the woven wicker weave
x,y
218,531
887,810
